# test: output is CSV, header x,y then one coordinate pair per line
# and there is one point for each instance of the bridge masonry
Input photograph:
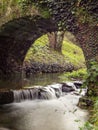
x,y
17,36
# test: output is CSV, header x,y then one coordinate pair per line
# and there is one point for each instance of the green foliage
x,y
60,11
88,11
79,74
66,14
43,54
92,124
45,13
70,12
5,5
26,4
88,126
23,4
9,9
81,11
73,53
40,52
92,76
92,79
37,48
94,118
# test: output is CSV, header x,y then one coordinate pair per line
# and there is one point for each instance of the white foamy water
x,y
56,114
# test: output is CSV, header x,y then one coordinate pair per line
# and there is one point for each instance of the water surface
x,y
56,114
31,80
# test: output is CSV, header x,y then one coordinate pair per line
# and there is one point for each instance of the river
x,y
31,80
54,114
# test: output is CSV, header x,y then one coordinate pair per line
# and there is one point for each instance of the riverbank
x,y
93,120
42,58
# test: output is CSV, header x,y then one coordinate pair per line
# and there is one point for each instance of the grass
x,y
73,53
79,75
40,52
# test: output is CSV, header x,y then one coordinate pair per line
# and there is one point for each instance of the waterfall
x,y
39,114
25,94
38,92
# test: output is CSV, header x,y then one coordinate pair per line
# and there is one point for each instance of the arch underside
x,y
18,35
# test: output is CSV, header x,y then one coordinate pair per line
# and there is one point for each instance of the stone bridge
x,y
18,35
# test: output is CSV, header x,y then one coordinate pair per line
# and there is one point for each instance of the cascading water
x,y
38,114
36,93
49,92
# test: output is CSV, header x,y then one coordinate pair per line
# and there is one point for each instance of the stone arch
x,y
16,37
87,37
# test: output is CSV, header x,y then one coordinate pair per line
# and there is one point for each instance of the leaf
x,y
76,120
74,110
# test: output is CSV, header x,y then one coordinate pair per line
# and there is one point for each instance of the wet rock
x,y
46,93
68,87
38,92
25,94
85,102
58,89
6,97
78,84
36,67
28,94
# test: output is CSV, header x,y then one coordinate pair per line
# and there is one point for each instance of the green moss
x,y
40,52
73,53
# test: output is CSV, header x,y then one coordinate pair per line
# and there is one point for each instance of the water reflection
x,y
10,84
31,80
41,79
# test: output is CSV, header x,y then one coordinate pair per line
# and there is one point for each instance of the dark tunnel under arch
x,y
17,36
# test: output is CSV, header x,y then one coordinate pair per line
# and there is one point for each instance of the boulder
x,y
58,89
6,97
46,93
78,84
68,87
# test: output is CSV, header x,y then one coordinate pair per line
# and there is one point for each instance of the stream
x,y
40,114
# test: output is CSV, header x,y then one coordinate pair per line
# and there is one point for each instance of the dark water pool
x,y
32,80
